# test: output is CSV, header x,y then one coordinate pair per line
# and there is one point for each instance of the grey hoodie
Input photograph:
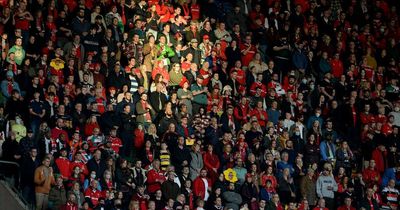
x,y
323,182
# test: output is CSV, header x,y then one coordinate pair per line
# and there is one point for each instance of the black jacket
x,y
154,100
170,190
100,167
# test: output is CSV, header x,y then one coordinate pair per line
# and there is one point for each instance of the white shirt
x,y
206,195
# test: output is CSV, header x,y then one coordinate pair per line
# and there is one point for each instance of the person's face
x,y
33,152
127,109
18,42
97,154
248,40
171,176
203,173
370,192
46,162
144,97
138,164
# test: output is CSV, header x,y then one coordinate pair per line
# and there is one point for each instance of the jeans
x,y
41,201
28,193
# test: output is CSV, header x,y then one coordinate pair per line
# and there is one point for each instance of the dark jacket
x,y
155,98
366,204
57,197
100,167
170,190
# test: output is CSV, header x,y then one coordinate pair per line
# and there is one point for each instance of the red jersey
x,y
63,165
246,58
154,179
93,195
116,143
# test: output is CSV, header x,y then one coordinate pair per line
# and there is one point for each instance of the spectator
x,y
268,86
57,194
326,186
232,198
308,187
44,178
169,188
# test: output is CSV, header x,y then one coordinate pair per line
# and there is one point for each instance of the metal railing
x,y
10,177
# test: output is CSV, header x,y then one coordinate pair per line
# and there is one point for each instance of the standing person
x,y
28,167
169,188
43,179
196,163
326,186
126,131
308,187
57,195
199,93
202,186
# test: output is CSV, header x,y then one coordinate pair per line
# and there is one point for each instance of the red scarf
x,y
10,87
149,154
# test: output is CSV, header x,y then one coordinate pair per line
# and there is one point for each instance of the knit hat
x,y
183,81
10,74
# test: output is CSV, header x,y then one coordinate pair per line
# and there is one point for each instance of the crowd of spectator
x,y
201,104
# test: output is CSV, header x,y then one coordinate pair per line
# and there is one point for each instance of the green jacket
x,y
164,52
19,53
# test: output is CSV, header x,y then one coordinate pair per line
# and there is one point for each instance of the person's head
x,y
46,161
33,152
18,41
127,108
347,201
321,203
171,176
138,164
151,205
275,198
392,183
327,169
71,197
97,154
370,192
203,173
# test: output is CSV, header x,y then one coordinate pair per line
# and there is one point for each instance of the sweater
x,y
323,182
43,180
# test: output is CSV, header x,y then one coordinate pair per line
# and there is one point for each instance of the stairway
x,y
9,198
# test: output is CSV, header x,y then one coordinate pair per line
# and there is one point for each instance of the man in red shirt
x,y
241,111
116,142
247,50
202,185
321,205
347,205
259,85
92,194
337,66
155,177
71,202
63,164
260,113
371,175
366,117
